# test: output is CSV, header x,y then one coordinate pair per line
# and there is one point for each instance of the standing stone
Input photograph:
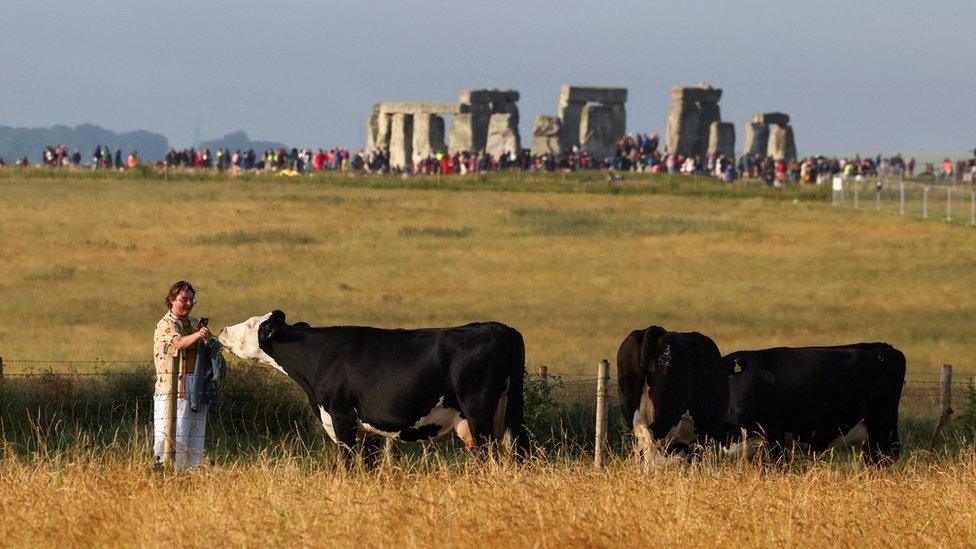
x,y
378,132
708,113
503,135
693,110
778,142
372,126
597,132
681,132
545,135
790,144
721,139
401,140
756,139
618,119
462,136
570,114
480,118
428,134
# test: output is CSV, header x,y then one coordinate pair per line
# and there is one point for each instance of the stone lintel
x,y
415,108
592,94
488,95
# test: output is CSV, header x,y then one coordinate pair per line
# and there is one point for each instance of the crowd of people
x,y
634,153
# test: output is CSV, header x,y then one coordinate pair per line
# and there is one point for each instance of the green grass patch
x,y
55,274
435,232
243,238
611,222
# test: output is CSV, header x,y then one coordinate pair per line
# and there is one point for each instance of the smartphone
x,y
204,321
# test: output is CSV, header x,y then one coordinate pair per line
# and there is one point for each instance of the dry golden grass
x,y
86,263
286,502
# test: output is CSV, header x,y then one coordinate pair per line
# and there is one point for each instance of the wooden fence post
x,y
169,435
544,373
1,368
602,377
945,401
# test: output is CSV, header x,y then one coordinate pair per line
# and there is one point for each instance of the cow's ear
x,y
270,328
267,330
301,325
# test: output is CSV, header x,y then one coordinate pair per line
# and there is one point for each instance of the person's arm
x,y
182,342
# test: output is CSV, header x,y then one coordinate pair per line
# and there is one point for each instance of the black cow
x,y
405,384
673,389
824,397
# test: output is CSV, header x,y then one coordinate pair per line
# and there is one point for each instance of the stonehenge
x,y
695,124
487,119
770,134
405,128
591,118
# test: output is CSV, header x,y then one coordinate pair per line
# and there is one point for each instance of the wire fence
x,y
888,192
59,403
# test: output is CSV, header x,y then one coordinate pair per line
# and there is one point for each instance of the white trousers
x,y
191,429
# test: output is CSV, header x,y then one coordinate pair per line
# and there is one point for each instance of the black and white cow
x,y
673,390
404,384
821,397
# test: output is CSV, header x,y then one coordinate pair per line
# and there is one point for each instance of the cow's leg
x,y
463,431
480,418
345,428
371,450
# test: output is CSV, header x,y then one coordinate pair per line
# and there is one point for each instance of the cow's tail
x,y
516,435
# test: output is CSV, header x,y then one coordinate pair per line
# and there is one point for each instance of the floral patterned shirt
x,y
168,329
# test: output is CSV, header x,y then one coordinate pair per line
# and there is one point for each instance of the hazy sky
x,y
853,75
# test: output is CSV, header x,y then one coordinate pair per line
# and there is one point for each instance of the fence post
x,y
901,189
948,203
1,368
877,199
925,203
856,189
602,377
169,435
972,208
945,401
544,373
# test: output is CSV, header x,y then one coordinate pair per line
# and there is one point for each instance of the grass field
x,y
573,264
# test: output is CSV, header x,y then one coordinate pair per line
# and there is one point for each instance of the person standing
x,y
174,343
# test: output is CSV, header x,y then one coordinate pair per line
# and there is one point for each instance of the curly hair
x,y
175,289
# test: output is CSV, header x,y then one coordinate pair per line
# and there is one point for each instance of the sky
x,y
865,76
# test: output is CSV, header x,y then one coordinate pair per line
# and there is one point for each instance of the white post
x,y
856,189
901,189
972,208
877,199
925,203
602,377
948,203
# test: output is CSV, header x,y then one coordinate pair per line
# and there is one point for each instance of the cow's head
x,y
749,386
668,379
251,339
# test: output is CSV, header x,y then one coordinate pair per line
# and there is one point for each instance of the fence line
x,y
888,192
